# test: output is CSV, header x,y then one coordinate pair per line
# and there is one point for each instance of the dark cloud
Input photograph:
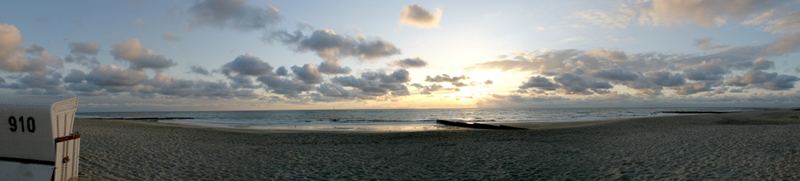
x,y
454,80
85,48
410,63
282,71
420,17
331,46
617,75
115,76
199,70
203,89
34,49
39,84
377,83
308,73
329,67
236,14
539,82
705,72
140,57
760,79
575,84
665,79
246,65
75,76
336,91
693,87
285,86
84,60
762,64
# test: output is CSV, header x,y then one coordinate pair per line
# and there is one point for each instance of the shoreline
x,y
750,145
526,125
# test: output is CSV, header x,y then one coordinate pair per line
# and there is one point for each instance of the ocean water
x,y
390,119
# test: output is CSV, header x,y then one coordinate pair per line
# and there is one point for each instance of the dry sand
x,y
755,145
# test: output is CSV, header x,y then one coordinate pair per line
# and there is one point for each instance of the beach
x,y
750,145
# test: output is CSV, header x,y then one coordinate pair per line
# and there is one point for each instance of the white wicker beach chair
x,y
37,141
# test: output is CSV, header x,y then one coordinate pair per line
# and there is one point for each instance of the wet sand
x,y
752,145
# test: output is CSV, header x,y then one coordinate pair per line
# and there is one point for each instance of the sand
x,y
754,145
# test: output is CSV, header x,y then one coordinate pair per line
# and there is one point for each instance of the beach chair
x,y
37,141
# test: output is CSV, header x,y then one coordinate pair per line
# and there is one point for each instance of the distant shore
x,y
749,145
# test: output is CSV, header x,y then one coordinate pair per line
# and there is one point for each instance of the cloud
x,y
246,65
776,21
585,72
331,46
10,41
83,48
285,86
539,82
140,57
330,67
308,73
115,76
282,71
417,16
429,89
203,89
762,64
377,83
669,12
14,58
39,84
75,76
706,44
410,63
576,84
705,71
619,19
199,70
236,14
83,53
332,92
454,80
760,79
788,43
693,87
665,79
616,75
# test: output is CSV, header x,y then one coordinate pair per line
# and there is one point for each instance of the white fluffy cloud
x,y
417,16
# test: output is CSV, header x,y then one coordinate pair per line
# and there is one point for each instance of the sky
x,y
143,55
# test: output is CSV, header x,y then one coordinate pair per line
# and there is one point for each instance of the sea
x,y
392,120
